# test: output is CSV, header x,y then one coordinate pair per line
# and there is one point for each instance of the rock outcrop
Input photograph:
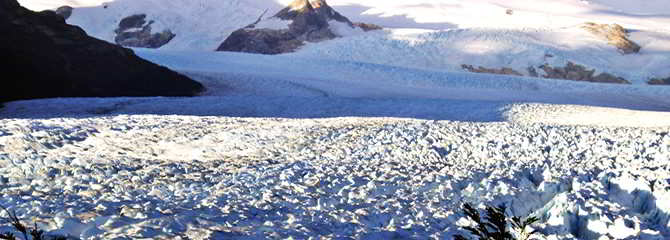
x,y
310,20
577,72
135,31
48,58
368,26
263,41
571,71
64,11
615,35
659,81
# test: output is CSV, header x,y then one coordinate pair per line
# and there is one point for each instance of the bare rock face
x,y
577,72
310,21
571,71
49,58
263,41
135,31
368,26
615,35
659,81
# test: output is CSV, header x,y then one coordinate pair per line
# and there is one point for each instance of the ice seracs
x,y
353,177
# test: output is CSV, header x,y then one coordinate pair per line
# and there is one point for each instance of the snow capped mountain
x,y
444,35
303,21
368,135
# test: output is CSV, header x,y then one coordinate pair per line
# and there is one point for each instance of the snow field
x,y
166,176
198,24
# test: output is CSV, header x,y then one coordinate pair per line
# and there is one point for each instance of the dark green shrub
x,y
35,233
494,225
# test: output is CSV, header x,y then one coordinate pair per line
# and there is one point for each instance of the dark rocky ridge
x,y
577,72
135,31
501,71
309,22
571,71
64,11
45,57
659,81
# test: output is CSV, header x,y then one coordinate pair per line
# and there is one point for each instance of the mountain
x,y
49,58
491,35
302,21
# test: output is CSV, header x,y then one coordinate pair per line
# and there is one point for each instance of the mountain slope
x,y
441,35
49,58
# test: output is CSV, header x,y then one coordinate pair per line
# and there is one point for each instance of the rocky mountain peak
x,y
316,11
300,5
310,22
307,5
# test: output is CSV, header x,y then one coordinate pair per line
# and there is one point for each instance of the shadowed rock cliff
x,y
45,57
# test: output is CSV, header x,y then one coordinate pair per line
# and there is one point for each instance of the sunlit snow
x,y
375,135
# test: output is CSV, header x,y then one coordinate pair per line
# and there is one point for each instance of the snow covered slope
x,y
426,34
446,34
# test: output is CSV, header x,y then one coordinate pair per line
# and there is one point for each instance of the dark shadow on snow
x,y
259,107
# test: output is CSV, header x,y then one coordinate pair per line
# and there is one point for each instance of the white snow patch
x,y
39,5
273,23
344,29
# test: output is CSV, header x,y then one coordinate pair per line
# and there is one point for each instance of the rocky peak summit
x,y
316,10
310,20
